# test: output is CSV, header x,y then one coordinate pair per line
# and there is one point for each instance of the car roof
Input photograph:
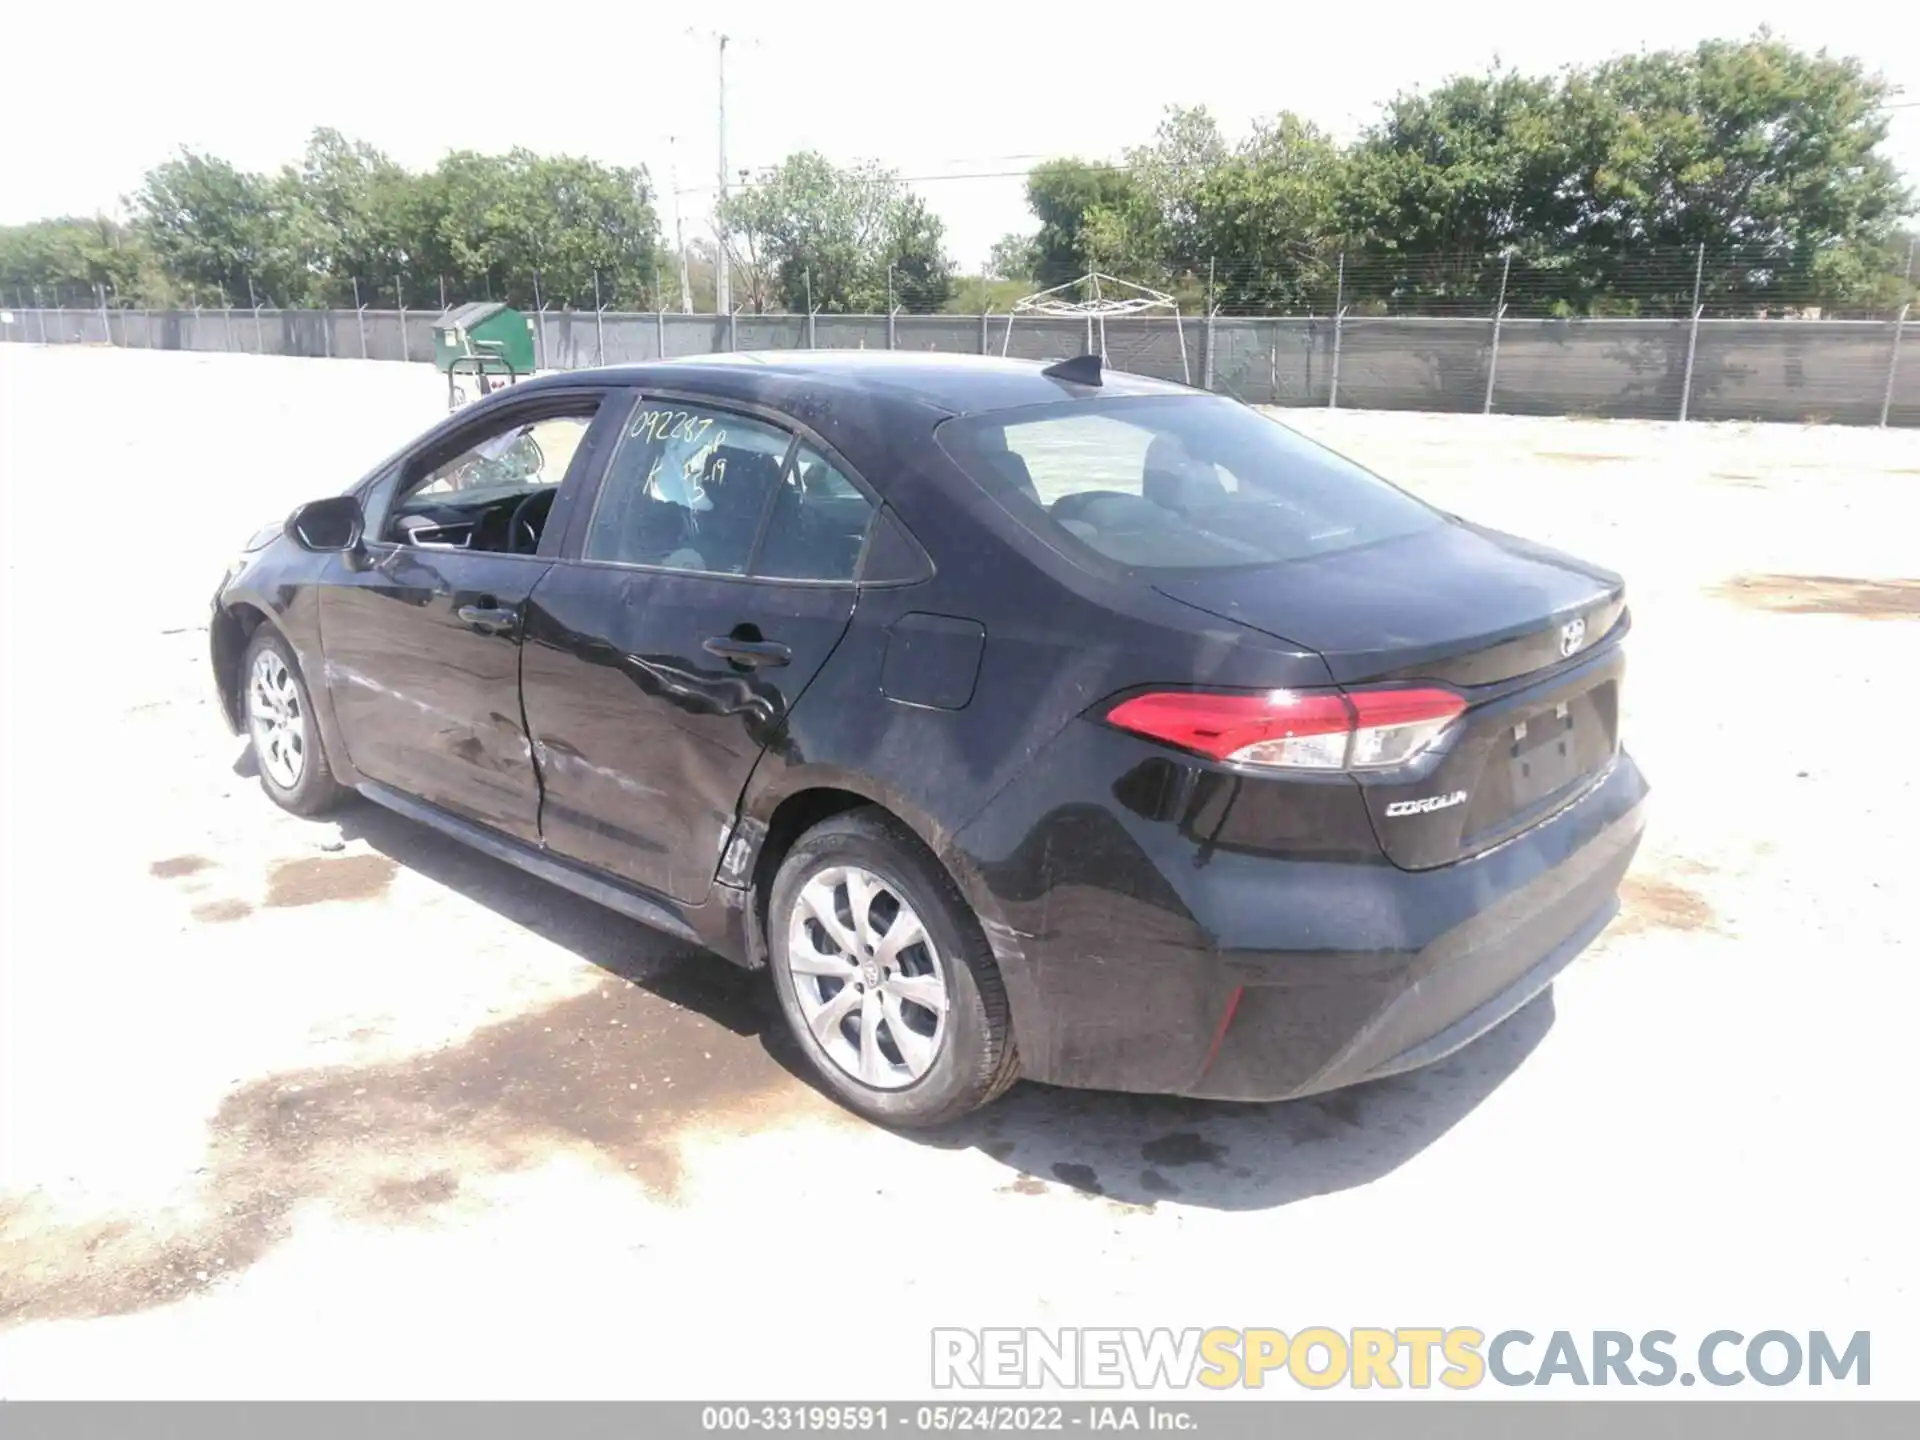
x,y
957,384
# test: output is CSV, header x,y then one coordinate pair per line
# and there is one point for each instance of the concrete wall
x,y
1792,370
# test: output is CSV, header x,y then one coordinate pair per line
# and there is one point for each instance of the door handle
x,y
752,653
490,618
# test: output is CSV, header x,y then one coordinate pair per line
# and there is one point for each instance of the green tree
x,y
1154,230
914,238
1445,181
348,221
1765,155
1605,185
840,236
1606,182
215,228
1013,257
1071,197
1261,223
1253,219
521,225
354,215
71,260
702,273
977,295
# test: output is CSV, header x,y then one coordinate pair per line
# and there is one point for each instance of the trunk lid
x,y
1454,602
1529,635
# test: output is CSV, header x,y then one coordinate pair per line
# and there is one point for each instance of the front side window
x,y
534,453
1175,483
686,490
495,494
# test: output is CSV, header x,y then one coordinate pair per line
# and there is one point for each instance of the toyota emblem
x,y
1573,635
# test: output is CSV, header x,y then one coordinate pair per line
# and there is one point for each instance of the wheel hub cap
x,y
276,720
871,984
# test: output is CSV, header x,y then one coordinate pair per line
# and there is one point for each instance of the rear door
x,y
700,594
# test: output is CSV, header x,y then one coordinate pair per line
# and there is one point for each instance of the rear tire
x,y
282,727
885,976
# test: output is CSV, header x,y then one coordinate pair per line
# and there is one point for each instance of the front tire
x,y
282,727
885,976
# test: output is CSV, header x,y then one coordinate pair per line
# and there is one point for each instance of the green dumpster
x,y
489,343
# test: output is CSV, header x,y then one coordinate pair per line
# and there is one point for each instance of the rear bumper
x,y
1404,1009
1158,965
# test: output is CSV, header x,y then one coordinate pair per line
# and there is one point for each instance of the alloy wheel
x,y
278,724
870,982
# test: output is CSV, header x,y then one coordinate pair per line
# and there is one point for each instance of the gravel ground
x,y
325,1109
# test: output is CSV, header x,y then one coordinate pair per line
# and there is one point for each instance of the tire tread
x,y
318,790
997,1067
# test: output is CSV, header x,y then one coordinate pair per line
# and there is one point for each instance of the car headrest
x,y
742,481
1166,452
1174,480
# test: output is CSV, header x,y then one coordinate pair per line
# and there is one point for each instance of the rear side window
x,y
1177,482
818,525
685,490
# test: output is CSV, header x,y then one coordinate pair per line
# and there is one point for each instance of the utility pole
x,y
723,276
1339,320
1499,314
1693,330
679,234
722,282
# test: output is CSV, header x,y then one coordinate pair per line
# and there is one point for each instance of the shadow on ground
x,y
672,1042
1136,1150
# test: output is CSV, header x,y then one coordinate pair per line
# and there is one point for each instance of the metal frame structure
x,y
487,363
1056,303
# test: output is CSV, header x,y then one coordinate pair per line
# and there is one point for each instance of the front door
x,y
422,636
715,577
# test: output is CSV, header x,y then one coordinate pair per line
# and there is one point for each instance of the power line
x,y
968,175
1104,167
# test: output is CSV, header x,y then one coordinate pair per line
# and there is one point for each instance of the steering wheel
x,y
523,536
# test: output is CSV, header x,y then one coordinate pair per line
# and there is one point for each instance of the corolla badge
x,y
1573,635
1421,807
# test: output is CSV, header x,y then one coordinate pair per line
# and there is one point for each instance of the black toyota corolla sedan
x,y
1021,720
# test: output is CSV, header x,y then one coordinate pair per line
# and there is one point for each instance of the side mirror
x,y
327,525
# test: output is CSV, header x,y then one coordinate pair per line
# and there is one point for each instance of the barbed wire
x,y
1761,279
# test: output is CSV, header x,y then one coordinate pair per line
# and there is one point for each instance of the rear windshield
x,y
1180,482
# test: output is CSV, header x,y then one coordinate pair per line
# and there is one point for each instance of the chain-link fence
x,y
1843,371
321,334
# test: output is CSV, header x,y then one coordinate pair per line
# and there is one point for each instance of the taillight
x,y
1391,727
1295,729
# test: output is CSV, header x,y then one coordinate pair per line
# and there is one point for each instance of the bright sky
x,y
949,92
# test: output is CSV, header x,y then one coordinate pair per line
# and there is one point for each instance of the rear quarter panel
x,y
1057,641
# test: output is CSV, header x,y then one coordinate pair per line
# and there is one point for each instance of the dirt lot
x,y
292,1108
